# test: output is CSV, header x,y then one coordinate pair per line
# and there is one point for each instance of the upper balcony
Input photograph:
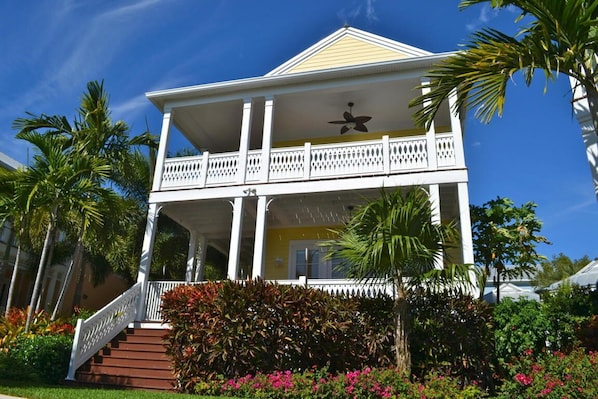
x,y
382,156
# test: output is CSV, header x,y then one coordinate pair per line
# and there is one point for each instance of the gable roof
x,y
346,47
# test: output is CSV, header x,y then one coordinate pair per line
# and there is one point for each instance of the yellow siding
x,y
355,137
347,51
278,247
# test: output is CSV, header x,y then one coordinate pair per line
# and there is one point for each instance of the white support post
x,y
146,257
191,256
457,131
162,148
244,141
204,168
267,139
260,237
386,154
200,266
307,160
430,134
234,252
434,191
465,223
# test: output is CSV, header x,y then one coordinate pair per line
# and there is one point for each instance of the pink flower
x,y
523,379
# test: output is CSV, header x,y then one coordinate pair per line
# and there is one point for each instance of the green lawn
x,y
22,389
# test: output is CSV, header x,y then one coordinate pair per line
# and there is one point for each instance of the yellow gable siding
x,y
347,51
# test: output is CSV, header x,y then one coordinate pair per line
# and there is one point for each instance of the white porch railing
x,y
333,286
92,334
310,162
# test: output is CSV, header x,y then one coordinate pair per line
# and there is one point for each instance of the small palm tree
x,y
394,238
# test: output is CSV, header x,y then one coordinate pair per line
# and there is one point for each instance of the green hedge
x,y
40,357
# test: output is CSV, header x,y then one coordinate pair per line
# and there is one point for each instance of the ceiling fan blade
x,y
338,122
344,129
362,119
360,127
348,117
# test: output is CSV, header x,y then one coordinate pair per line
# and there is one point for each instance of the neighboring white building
x,y
589,135
586,277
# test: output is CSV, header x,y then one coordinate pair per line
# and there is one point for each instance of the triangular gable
x,y
346,47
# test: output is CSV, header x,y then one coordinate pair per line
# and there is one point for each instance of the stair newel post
x,y
72,369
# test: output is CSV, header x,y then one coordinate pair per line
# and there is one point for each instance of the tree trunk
x,y
13,279
67,279
402,331
40,269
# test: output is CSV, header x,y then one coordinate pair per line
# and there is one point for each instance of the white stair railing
x,y
93,333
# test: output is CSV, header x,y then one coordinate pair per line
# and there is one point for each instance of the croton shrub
x,y
232,329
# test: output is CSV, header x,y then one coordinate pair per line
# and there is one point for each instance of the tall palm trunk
x,y
40,269
402,331
13,279
75,262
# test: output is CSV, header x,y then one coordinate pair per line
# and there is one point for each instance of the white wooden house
x,y
273,175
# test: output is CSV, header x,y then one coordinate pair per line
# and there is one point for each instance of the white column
x,y
234,252
244,141
267,138
146,256
191,256
260,237
457,132
434,191
200,265
162,148
465,223
430,134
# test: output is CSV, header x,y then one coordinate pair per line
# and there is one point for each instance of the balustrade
x,y
373,157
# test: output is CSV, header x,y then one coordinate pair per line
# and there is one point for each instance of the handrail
x,y
93,333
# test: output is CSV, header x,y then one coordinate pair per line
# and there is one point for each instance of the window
x,y
307,259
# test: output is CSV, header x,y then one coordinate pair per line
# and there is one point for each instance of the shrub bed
x,y
235,329
318,384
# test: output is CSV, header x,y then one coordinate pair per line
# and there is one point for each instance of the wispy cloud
x,y
485,15
367,8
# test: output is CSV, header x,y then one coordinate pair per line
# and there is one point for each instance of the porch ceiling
x,y
214,218
302,109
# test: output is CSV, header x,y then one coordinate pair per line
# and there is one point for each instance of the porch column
x,y
465,223
200,265
191,256
146,257
430,134
260,237
162,148
244,141
234,252
434,191
267,139
457,131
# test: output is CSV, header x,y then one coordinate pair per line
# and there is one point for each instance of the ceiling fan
x,y
352,122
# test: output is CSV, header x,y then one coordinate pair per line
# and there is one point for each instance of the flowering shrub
x,y
319,384
13,326
552,375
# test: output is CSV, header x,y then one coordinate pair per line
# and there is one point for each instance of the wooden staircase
x,y
135,359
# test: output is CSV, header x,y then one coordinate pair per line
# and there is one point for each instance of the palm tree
x,y
95,136
58,181
561,37
394,238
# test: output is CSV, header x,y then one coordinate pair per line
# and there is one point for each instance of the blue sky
x,y
49,50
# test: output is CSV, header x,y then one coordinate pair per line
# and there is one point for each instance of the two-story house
x,y
286,156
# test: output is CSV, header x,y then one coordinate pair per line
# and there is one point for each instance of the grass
x,y
25,390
